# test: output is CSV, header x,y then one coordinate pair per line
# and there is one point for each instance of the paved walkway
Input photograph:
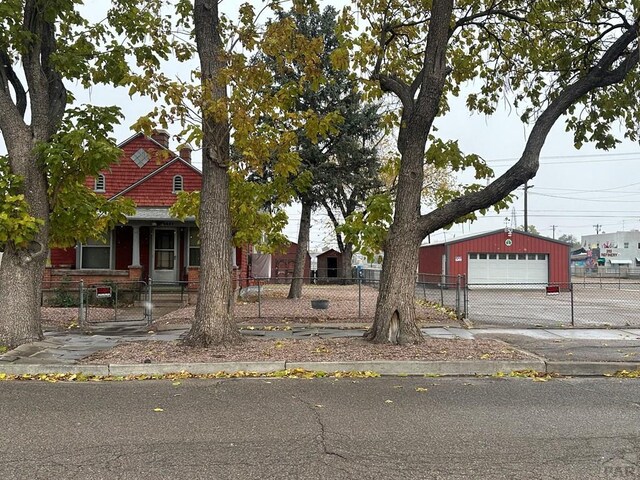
x,y
64,348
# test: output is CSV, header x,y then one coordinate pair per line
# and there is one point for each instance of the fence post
x,y
466,298
148,304
458,295
115,302
81,312
441,294
359,297
259,299
571,294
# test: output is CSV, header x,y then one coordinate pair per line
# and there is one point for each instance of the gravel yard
x,y
314,349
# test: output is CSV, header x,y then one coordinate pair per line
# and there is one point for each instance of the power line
x,y
600,157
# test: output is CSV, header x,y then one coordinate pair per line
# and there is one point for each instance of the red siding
x,y
125,173
430,259
157,191
495,243
63,257
282,264
124,247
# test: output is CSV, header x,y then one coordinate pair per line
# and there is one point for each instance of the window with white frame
x,y
96,253
177,184
99,183
194,247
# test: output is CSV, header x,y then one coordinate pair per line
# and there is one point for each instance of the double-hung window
x,y
96,253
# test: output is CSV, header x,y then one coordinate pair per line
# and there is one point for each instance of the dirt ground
x,y
308,350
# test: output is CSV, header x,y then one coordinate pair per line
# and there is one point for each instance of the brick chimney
x,y
185,153
162,137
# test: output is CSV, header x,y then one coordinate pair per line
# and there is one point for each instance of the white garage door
x,y
490,270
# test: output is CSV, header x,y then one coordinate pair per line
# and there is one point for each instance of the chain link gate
x,y
114,302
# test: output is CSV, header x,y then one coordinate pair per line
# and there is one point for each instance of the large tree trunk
x,y
22,268
295,290
395,317
347,257
213,322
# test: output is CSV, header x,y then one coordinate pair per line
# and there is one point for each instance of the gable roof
x,y
150,139
464,238
331,251
161,168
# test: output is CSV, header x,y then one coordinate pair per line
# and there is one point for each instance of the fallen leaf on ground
x,y
157,409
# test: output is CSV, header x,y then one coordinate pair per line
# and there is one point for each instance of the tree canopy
x,y
52,142
546,59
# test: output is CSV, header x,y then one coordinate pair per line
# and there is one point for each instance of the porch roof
x,y
156,214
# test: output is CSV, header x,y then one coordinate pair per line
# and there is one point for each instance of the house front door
x,y
164,255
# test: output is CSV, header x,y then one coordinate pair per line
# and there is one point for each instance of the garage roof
x,y
464,238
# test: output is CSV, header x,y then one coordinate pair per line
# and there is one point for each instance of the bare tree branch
x,y
527,166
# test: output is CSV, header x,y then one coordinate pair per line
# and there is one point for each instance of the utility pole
x,y
526,221
597,227
553,227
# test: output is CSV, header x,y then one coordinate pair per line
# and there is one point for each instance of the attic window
x,y
99,184
140,157
177,184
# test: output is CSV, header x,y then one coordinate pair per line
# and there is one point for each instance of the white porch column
x,y
135,260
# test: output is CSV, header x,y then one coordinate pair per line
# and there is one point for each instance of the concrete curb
x,y
391,368
195,368
589,369
441,368
382,367
35,369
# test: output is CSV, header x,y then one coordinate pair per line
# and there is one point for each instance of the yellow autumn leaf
x,y
158,409
421,389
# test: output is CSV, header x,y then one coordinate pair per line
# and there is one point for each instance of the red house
x,y
498,258
152,244
283,263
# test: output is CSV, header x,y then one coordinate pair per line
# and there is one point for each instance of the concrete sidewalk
x,y
562,351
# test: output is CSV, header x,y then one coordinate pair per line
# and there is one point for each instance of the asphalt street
x,y
393,427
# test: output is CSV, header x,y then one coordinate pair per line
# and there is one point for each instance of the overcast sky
x,y
574,190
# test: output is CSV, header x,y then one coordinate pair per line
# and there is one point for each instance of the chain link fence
x,y
348,299
601,303
585,302
70,302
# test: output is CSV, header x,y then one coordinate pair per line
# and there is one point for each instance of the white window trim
x,y
96,182
176,177
82,246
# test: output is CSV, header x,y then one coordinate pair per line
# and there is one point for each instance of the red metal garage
x,y
499,257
